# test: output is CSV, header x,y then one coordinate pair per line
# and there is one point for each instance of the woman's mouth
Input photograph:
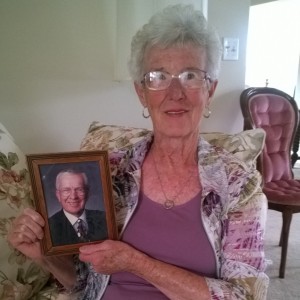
x,y
175,112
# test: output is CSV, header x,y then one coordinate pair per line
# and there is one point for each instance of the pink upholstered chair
x,y
277,113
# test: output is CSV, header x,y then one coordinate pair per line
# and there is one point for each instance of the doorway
x,y
273,46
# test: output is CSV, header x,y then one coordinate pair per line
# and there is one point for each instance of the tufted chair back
x,y
276,113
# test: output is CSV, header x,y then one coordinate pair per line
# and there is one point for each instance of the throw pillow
x,y
246,145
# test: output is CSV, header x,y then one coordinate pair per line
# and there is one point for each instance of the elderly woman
x,y
192,215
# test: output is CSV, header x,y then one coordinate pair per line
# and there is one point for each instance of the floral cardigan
x,y
234,215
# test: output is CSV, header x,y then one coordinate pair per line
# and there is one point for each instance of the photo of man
x,y
73,222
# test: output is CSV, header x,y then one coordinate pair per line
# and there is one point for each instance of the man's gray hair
x,y
70,171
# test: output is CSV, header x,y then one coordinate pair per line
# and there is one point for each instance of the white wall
x,y
57,70
255,2
230,18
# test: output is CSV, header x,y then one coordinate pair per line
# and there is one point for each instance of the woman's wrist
x,y
62,269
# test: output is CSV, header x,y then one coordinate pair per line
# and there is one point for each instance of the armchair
x,y
276,113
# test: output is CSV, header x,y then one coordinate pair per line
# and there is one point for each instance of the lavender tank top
x,y
175,236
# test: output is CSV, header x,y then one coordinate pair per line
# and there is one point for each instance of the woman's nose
x,y
176,89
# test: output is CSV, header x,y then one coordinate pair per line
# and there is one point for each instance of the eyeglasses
x,y
80,191
189,79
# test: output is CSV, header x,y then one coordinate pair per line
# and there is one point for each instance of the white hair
x,y
177,25
70,171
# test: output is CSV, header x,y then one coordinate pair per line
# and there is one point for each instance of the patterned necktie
x,y
81,229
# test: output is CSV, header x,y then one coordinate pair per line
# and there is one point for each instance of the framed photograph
x,y
73,193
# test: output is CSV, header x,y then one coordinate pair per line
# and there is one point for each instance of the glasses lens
x,y
193,79
190,79
67,191
157,80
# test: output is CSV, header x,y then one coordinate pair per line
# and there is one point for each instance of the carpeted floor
x,y
289,287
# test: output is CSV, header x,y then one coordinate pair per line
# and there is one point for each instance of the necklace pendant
x,y
168,204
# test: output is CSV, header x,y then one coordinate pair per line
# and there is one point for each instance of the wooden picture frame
x,y
91,190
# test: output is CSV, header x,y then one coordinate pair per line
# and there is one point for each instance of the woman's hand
x,y
26,233
109,256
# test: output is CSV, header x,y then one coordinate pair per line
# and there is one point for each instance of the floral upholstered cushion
x,y
246,145
111,137
19,277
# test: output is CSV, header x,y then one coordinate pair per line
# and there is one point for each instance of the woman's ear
x,y
141,93
212,88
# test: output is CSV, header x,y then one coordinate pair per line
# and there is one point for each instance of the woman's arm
x,y
62,268
243,224
113,256
243,259
25,236
242,255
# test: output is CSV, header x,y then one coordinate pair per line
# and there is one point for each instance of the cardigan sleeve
x,y
242,242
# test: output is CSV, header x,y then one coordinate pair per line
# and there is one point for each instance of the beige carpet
x,y
289,287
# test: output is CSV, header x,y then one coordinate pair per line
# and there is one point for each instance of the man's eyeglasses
x,y
189,79
80,191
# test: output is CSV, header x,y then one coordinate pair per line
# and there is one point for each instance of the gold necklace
x,y
169,203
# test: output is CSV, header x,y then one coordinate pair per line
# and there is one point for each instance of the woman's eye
x,y
161,76
190,75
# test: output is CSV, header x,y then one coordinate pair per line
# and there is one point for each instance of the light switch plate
x,y
230,48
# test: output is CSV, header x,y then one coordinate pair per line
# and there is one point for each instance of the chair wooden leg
x,y
281,233
286,223
294,158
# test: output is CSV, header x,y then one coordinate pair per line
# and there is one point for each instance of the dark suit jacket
x,y
63,233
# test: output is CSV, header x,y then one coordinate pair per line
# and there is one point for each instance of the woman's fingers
x,y
24,234
35,216
26,228
90,249
107,257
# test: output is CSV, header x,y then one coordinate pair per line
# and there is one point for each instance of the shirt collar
x,y
73,219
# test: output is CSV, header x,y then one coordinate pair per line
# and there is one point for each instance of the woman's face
x,y
175,111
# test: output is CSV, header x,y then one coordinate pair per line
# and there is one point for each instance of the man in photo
x,y
74,223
